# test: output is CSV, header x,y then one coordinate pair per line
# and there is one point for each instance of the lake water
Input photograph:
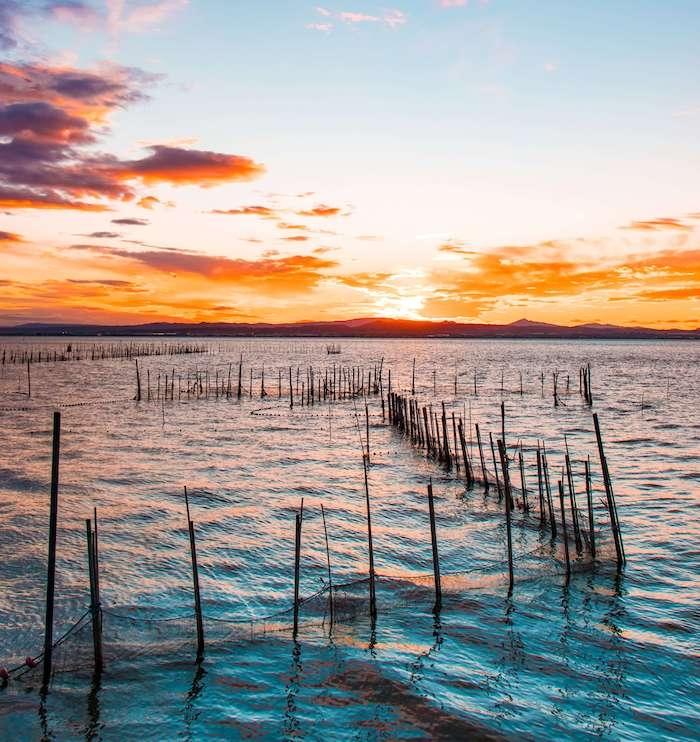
x,y
604,654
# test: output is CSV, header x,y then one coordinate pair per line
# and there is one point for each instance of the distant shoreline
x,y
372,328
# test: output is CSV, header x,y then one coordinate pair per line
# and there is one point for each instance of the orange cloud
x,y
9,237
543,272
263,211
364,280
320,210
49,115
291,274
179,166
286,225
655,225
24,198
150,202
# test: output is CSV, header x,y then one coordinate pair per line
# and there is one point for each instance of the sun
x,y
400,307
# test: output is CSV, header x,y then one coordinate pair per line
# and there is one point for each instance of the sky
x,y
279,161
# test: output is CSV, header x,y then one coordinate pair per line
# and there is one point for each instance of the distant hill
x,y
359,328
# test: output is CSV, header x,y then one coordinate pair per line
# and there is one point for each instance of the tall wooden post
x,y
328,560
95,610
138,381
506,483
370,548
589,497
51,567
619,548
297,558
481,457
436,557
195,584
563,528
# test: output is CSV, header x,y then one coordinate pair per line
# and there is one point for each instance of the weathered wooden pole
x,y
328,559
94,595
29,379
467,464
503,420
446,439
372,587
51,567
563,528
436,557
506,482
548,490
495,467
589,497
297,558
195,584
572,500
481,457
612,509
428,436
367,428
138,381
239,390
540,484
526,505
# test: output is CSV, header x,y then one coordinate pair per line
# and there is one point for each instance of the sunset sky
x,y
469,160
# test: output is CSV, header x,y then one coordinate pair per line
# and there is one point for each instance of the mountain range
x,y
360,328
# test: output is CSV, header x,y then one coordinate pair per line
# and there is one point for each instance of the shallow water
x,y
608,654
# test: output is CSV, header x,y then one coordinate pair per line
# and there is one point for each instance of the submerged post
x,y
297,557
506,483
481,457
612,509
138,381
436,557
328,559
94,594
563,528
51,567
370,547
195,584
589,496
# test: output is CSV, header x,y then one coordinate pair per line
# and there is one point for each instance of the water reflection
x,y
587,648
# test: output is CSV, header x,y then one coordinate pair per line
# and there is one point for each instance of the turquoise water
x,y
605,654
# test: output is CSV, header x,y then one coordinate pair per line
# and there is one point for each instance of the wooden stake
x,y
328,559
138,381
589,497
195,584
94,597
436,558
372,589
526,506
481,456
508,498
540,484
612,509
297,557
563,528
495,468
51,567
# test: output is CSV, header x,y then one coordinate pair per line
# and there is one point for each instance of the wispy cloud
x,y
136,17
131,222
391,17
656,225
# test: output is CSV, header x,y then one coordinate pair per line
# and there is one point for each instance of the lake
x,y
605,653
